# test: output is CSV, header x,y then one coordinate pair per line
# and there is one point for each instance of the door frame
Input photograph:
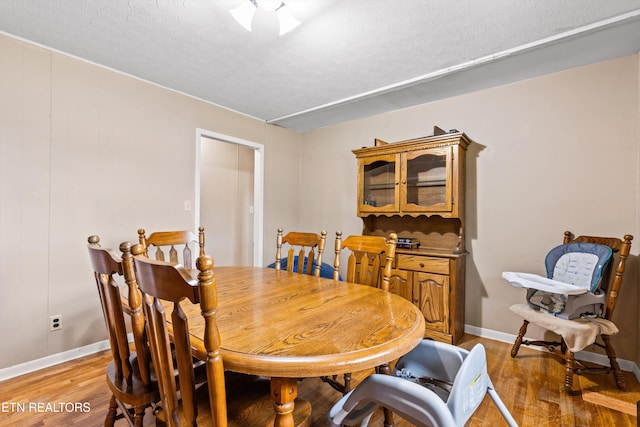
x,y
258,186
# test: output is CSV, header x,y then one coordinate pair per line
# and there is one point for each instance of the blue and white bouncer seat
x,y
572,288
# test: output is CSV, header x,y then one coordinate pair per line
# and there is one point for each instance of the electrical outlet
x,y
55,323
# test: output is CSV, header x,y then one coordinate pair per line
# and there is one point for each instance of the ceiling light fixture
x,y
244,13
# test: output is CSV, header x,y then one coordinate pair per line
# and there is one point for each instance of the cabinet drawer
x,y
423,263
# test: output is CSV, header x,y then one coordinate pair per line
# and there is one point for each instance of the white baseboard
x,y
54,359
587,356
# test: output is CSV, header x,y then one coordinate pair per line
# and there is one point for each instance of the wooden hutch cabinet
x,y
415,188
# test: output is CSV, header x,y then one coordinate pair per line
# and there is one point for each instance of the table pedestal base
x,y
289,411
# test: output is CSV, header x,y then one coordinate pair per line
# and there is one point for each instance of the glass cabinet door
x,y
378,191
427,180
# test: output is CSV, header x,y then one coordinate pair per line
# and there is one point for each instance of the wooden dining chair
x,y
577,332
129,373
229,399
304,254
168,240
369,263
370,259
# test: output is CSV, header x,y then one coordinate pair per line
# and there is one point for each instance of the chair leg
x,y
568,371
138,416
159,421
343,387
613,362
501,406
347,383
388,414
112,412
518,341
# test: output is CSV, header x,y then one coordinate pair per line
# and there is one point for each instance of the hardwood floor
x,y
531,386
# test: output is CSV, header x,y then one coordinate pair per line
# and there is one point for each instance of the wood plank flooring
x,y
531,386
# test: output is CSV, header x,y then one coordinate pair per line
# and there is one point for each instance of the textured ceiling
x,y
348,59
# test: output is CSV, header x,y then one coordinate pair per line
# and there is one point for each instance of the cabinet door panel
x,y
400,283
426,180
431,296
378,179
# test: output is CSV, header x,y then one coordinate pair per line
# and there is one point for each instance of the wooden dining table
x,y
288,326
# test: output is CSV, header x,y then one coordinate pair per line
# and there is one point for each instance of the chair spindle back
x,y
370,260
166,287
305,261
163,239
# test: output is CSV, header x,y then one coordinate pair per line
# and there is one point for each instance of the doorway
x,y
229,195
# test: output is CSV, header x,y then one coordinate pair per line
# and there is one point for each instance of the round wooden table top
x,y
281,324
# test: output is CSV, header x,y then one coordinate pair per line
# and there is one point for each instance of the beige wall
x,y
555,153
84,150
